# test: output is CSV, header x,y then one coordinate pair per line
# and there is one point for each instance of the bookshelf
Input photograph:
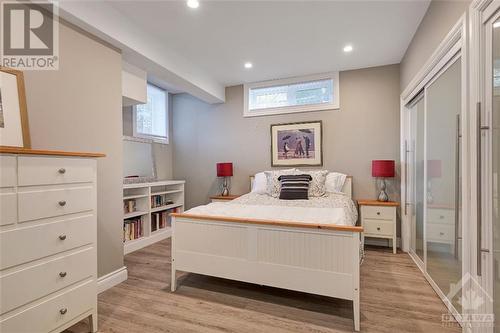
x,y
146,208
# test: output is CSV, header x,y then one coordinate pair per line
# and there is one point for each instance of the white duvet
x,y
330,209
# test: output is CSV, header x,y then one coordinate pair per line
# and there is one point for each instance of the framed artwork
x,y
297,144
14,128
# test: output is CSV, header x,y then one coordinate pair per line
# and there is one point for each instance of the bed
x,y
312,247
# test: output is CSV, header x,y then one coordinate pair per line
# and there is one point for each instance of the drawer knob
x,y
62,203
441,233
62,171
62,237
378,228
441,217
62,274
63,311
378,213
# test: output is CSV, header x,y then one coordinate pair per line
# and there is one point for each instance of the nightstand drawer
x,y
440,233
378,227
436,215
377,212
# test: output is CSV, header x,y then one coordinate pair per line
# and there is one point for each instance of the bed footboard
x,y
313,260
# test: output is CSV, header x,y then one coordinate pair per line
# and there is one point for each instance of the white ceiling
x,y
281,38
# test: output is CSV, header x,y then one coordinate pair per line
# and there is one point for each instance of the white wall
x,y
78,108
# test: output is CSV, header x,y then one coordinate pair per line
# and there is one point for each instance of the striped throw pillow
x,y
294,187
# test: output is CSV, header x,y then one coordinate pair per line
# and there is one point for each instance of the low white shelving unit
x,y
152,202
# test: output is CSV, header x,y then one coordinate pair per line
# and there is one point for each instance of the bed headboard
x,y
347,188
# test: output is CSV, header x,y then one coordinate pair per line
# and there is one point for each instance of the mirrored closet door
x,y
488,167
433,156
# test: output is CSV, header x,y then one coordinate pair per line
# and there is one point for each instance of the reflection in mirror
x,y
443,231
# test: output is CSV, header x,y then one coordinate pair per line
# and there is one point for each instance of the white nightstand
x,y
378,220
223,198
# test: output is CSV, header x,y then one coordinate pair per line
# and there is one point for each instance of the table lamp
x,y
383,169
225,170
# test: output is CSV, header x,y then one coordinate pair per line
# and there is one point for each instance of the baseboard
x,y
381,242
111,279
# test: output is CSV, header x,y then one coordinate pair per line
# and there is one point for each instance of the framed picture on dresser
x,y
14,128
297,144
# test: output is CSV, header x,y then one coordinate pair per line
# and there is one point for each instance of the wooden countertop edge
x,y
378,203
25,151
270,222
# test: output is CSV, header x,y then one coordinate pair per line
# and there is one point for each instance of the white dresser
x,y
48,263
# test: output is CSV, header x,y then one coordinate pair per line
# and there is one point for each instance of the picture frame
x,y
297,144
14,126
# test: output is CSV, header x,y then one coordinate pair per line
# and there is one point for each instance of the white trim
x,y
112,279
334,76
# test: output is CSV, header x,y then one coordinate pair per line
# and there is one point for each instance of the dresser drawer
x,y
54,312
21,287
35,170
436,215
8,207
41,203
440,233
376,212
378,227
26,244
8,176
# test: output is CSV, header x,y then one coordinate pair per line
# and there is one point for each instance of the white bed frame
x,y
314,258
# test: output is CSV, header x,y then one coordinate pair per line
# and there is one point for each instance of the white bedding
x,y
333,208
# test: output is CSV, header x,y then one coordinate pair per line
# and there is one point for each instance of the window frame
x,y
334,105
148,137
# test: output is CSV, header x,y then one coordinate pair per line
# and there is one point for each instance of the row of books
x,y
160,200
162,219
132,229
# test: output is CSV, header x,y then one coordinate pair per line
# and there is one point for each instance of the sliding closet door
x,y
495,164
442,179
415,194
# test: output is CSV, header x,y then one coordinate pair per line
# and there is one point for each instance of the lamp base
x,y
382,196
225,188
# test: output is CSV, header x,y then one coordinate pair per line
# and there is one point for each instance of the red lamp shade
x,y
433,168
224,169
383,168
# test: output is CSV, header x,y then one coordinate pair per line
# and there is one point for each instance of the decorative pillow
x,y
335,182
317,186
294,187
273,184
259,183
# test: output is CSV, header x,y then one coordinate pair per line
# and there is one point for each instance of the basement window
x,y
304,94
151,119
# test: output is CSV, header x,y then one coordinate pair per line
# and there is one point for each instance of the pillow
x,y
273,184
335,182
317,186
259,183
294,187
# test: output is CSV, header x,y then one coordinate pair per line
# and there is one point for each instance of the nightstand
x,y
378,220
224,198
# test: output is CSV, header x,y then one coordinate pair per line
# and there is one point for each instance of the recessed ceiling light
x,y
348,48
248,65
193,3
496,24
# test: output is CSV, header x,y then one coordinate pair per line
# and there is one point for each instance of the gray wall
x,y
440,17
366,127
78,108
162,153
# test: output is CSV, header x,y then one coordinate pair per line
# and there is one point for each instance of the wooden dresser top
x,y
26,151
